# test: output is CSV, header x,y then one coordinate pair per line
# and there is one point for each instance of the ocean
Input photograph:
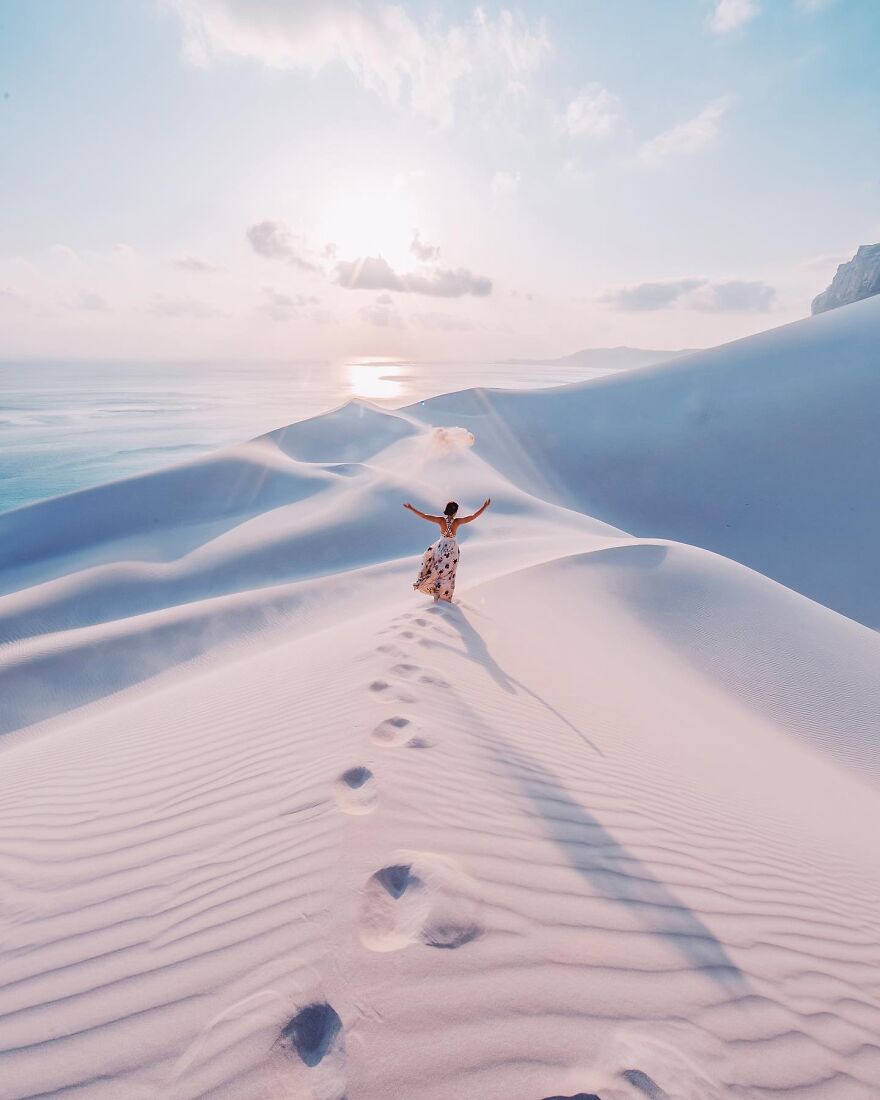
x,y
68,425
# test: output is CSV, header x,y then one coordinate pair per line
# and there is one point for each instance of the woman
x,y
440,560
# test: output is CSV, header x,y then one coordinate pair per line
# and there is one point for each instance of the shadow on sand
x,y
587,846
475,649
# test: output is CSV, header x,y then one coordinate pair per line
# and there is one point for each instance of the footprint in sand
x,y
379,688
423,899
393,731
356,791
310,1059
433,681
420,743
409,670
404,669
313,1033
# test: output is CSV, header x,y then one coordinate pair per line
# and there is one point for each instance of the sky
x,y
282,179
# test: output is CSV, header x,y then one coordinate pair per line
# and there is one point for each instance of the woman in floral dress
x,y
440,560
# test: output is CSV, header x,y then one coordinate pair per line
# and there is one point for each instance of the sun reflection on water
x,y
375,379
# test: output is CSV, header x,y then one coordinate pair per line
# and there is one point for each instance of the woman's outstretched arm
x,y
479,511
424,515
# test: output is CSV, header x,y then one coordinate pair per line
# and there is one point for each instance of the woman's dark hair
x,y
450,509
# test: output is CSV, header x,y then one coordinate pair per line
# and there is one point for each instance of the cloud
x,y
734,295
687,137
593,113
443,322
505,183
162,306
91,302
421,250
573,171
275,241
731,14
124,253
648,296
375,273
448,283
369,273
191,263
385,300
9,298
382,315
424,65
285,307
65,254
119,254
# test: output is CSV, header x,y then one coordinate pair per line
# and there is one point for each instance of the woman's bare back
x,y
450,525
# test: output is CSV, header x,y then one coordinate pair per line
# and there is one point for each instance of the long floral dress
x,y
439,563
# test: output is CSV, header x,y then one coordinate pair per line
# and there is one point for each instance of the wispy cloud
x,y
382,313
285,307
424,65
194,265
731,296
375,273
163,306
13,300
687,137
728,15
275,241
442,322
91,302
649,296
422,250
593,113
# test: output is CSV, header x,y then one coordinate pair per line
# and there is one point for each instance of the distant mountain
x,y
858,278
620,358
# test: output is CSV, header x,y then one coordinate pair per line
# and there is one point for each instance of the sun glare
x,y
370,223
373,379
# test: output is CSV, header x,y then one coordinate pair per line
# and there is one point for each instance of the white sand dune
x,y
271,826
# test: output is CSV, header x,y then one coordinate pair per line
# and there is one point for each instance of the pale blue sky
x,y
653,172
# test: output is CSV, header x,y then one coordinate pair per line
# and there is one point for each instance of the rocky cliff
x,y
857,279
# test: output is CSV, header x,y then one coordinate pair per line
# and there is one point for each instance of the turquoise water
x,y
65,426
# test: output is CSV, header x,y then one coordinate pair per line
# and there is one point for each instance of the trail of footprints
x,y
426,900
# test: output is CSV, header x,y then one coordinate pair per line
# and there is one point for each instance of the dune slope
x,y
766,450
272,826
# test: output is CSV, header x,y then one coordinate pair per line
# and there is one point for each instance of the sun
x,y
374,222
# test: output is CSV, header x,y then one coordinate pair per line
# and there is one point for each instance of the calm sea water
x,y
65,426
